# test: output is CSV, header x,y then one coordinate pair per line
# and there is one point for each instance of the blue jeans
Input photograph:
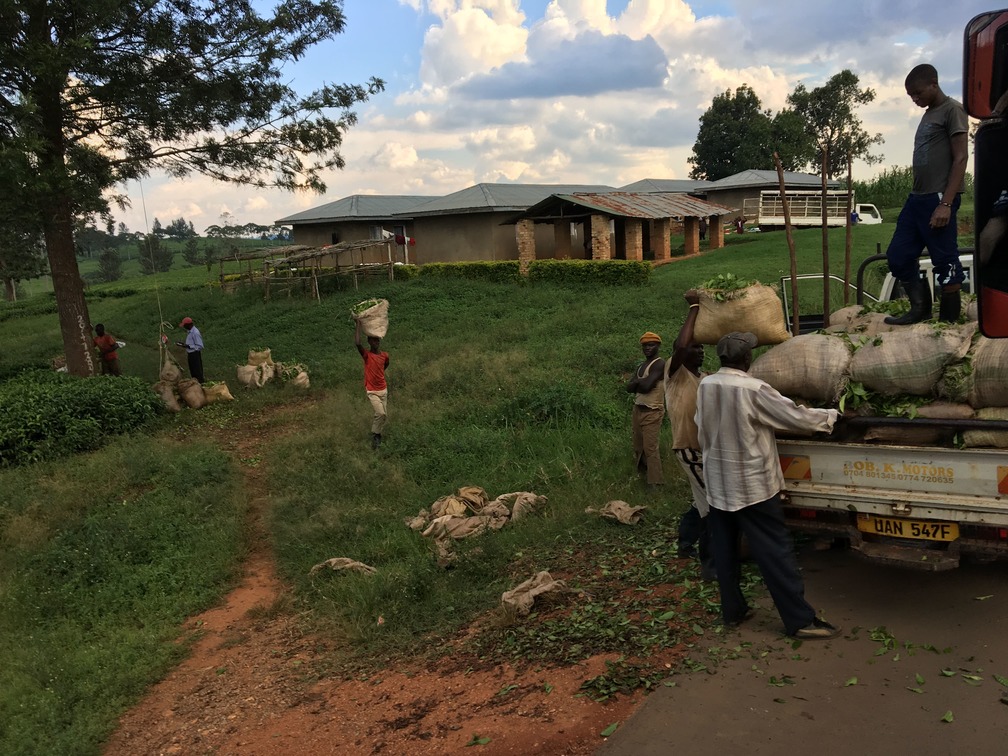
x,y
771,548
914,234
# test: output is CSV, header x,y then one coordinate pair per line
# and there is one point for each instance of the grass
x,y
508,388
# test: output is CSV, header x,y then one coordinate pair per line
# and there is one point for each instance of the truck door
x,y
985,96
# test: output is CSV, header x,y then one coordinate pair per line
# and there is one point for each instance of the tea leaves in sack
x,y
910,360
192,393
990,373
170,371
755,308
166,390
301,380
996,439
260,357
372,314
217,392
812,366
246,375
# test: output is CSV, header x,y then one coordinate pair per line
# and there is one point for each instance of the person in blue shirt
x,y
193,345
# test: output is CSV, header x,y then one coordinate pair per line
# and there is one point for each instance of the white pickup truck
x,y
805,208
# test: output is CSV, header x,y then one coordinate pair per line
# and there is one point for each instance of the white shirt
x,y
193,340
736,417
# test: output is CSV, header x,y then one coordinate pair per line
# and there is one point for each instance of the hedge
x,y
609,272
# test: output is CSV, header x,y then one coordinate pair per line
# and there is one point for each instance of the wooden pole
x,y
790,243
825,243
848,240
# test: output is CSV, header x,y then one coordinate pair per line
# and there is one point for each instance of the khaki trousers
x,y
646,428
379,403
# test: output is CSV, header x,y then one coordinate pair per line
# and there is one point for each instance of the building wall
x,y
321,234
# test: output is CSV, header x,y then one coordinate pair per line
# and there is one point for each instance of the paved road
x,y
814,707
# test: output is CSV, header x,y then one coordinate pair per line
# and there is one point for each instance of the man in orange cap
x,y
193,345
648,383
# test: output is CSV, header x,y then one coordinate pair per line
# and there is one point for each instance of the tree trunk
x,y
75,323
10,290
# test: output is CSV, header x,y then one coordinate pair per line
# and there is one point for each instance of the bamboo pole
x,y
790,244
825,243
848,239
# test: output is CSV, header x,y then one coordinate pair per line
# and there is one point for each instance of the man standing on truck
x,y
736,416
928,218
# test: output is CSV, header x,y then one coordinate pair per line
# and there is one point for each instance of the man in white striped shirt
x,y
737,416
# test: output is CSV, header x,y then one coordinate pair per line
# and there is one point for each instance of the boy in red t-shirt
x,y
375,362
107,346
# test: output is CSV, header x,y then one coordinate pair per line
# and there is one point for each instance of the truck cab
x,y
867,214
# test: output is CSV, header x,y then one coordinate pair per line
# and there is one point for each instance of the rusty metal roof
x,y
644,205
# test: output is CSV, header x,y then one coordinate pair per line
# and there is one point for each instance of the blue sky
x,y
577,91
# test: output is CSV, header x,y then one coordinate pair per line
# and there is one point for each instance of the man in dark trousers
x,y
682,378
193,345
928,219
737,416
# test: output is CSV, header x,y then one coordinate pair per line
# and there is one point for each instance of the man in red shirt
x,y
107,346
375,362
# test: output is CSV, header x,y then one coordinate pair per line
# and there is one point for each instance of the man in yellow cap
x,y
648,384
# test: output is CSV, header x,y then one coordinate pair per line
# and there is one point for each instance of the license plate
x,y
898,528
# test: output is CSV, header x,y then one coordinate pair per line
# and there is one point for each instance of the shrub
x,y
154,257
497,271
609,272
560,404
49,415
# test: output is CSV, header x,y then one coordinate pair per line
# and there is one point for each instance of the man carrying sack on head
x,y
648,385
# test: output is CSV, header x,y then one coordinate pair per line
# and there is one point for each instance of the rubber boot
x,y
951,306
920,303
375,440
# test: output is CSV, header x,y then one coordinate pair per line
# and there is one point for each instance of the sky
x,y
576,91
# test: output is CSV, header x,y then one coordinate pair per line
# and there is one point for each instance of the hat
x,y
734,346
185,321
650,336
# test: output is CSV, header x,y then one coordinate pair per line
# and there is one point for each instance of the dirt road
x,y
916,646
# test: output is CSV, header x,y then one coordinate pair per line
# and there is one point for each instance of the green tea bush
x,y
608,272
28,308
499,271
48,415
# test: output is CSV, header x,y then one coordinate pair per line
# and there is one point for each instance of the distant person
x,y
375,364
703,229
108,348
682,378
854,218
928,218
648,386
739,225
736,417
193,345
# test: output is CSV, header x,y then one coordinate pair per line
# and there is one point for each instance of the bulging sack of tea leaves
x,y
372,314
217,392
301,380
192,393
755,308
260,357
166,390
812,366
170,371
990,373
911,360
263,374
246,374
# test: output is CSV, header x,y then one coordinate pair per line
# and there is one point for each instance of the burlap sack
x,y
756,309
301,380
246,375
170,371
260,358
868,325
374,320
192,393
166,390
990,373
217,393
997,439
813,366
911,360
264,373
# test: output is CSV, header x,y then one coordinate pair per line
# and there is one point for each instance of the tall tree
x,y
733,136
736,134
97,92
831,120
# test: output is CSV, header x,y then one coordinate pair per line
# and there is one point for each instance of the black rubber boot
x,y
375,440
920,303
951,306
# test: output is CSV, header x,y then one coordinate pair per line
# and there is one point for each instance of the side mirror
x,y
985,97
